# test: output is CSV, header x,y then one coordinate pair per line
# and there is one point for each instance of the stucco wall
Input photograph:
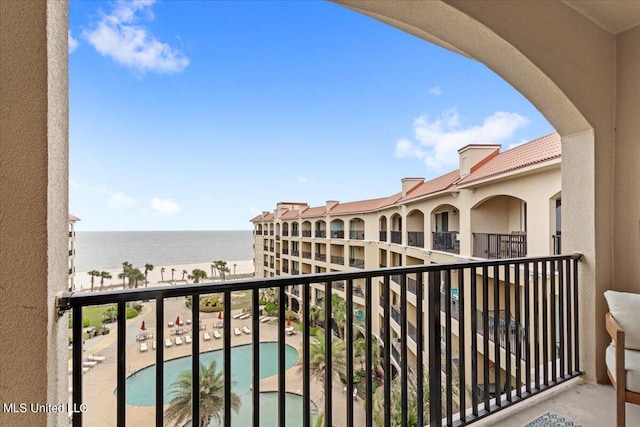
x,y
33,217
627,163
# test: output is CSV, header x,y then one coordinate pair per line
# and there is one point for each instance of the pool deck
x,y
100,381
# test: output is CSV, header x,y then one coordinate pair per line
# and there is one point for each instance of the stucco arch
x,y
562,63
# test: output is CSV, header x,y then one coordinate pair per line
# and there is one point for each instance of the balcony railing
x,y
277,237
356,234
271,233
285,269
258,233
356,263
396,237
557,244
294,233
337,260
445,241
285,251
285,233
383,236
295,252
549,354
306,254
321,257
415,238
500,246
306,233
321,233
266,247
337,234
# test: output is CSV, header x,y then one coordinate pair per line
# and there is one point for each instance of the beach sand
x,y
242,268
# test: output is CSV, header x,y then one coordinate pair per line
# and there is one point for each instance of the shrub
x,y
211,304
131,313
271,309
86,323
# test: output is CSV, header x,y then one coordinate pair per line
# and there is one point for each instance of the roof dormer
x,y
473,155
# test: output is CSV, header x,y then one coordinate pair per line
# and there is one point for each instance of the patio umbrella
x,y
177,320
288,322
143,327
219,315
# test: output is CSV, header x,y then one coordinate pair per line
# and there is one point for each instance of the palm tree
x,y
197,275
125,266
93,274
104,275
162,274
396,408
212,273
222,268
212,397
317,365
173,270
184,272
147,269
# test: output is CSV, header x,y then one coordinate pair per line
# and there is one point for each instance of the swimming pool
x,y
140,385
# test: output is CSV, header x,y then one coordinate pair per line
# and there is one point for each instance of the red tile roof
x,y
539,150
311,212
290,214
433,186
363,205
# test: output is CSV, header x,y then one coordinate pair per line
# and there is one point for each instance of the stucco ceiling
x,y
614,16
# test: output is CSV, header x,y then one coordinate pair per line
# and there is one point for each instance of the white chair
x,y
143,347
216,335
178,341
206,336
623,354
236,331
246,330
168,342
187,339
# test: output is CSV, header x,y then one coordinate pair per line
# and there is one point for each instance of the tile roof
x,y
539,150
433,186
290,214
317,211
364,205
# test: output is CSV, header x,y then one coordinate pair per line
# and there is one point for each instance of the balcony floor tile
x,y
586,404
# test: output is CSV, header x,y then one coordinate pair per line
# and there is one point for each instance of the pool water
x,y
140,385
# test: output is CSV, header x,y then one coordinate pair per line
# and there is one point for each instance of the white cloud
x,y
437,141
73,43
165,206
435,91
119,201
121,37
307,181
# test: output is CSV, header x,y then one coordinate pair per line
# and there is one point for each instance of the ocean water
x,y
107,250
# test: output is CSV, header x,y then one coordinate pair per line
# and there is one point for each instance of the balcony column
x,y
35,227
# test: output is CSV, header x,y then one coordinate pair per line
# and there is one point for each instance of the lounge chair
x,y
206,336
168,342
178,341
170,324
89,364
236,331
246,330
143,347
622,357
98,359
217,335
265,319
237,315
244,316
187,339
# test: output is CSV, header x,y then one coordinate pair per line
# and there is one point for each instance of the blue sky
x,y
198,115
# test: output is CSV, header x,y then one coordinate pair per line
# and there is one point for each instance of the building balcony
x,y
306,254
285,252
272,249
383,236
306,233
415,239
337,260
271,233
321,257
278,255
256,232
295,252
396,237
285,270
277,237
557,243
337,234
321,234
294,233
285,233
499,246
356,263
445,241
356,234
541,368
266,247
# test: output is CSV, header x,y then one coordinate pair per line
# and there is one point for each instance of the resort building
x,y
72,251
576,62
497,205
